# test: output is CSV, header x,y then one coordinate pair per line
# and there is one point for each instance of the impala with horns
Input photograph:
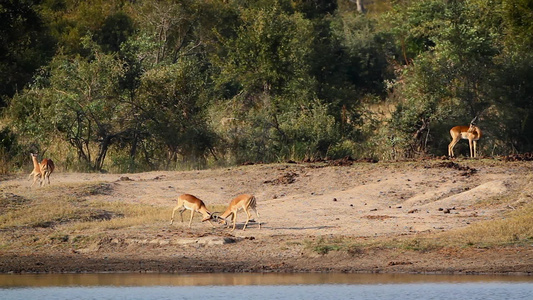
x,y
245,202
190,202
41,170
471,133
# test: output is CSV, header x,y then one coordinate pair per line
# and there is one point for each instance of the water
x,y
264,286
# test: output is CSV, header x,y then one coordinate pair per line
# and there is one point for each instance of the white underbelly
x,y
464,136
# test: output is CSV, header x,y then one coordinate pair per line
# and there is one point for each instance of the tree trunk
x,y
102,152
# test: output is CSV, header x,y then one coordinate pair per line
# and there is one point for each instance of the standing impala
x,y
244,202
42,170
471,133
193,204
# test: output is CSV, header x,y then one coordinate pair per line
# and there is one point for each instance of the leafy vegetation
x,y
130,86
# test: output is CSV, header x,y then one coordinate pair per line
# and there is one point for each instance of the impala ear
x,y
473,122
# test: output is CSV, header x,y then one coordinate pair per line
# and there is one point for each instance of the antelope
x,y
190,202
244,202
471,133
42,170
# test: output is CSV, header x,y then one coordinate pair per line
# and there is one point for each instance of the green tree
x,y
358,62
77,100
25,45
268,56
171,110
449,79
167,79
70,21
115,31
262,74
513,109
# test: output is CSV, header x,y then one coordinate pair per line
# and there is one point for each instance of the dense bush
x,y
133,86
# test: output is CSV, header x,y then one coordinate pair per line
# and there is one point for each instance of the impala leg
x,y
173,212
209,220
228,225
181,213
257,214
475,148
451,146
471,149
223,221
35,179
234,220
192,215
248,215
450,149
180,208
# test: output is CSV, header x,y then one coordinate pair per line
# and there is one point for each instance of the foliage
x,y
450,79
8,149
267,56
78,101
170,110
25,45
140,85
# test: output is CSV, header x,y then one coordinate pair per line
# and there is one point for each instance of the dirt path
x,y
298,203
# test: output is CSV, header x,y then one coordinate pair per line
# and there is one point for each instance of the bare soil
x,y
298,203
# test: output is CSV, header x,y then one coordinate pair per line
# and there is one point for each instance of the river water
x,y
264,286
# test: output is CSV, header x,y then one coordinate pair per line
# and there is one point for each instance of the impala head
x,y
472,126
208,217
215,216
33,155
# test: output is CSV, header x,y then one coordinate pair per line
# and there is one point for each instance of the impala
x,y
244,202
190,202
42,170
471,133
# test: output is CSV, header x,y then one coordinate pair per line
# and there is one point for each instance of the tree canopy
x,y
141,85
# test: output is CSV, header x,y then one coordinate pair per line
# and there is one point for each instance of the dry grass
x,y
72,212
37,218
70,205
515,229
69,216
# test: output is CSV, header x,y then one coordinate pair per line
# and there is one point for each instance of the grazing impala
x,y
42,170
471,133
193,204
244,202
